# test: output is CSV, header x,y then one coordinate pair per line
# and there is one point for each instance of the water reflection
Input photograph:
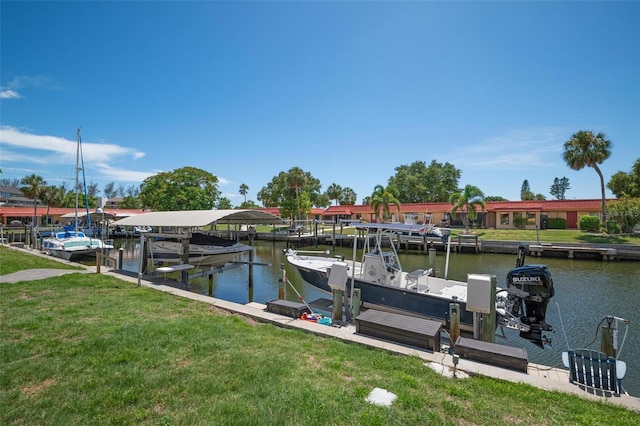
x,y
586,291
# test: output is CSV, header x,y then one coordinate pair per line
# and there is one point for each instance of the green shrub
x,y
589,223
520,222
556,223
613,227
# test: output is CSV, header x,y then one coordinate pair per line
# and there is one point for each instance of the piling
x,y
454,322
432,257
356,301
606,341
336,313
120,258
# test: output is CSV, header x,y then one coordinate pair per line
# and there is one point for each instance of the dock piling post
x,y
454,322
336,313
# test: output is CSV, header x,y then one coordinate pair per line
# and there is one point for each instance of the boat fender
x,y
310,317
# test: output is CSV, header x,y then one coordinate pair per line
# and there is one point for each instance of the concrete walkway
x,y
540,376
38,274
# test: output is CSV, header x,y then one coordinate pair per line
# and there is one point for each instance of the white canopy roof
x,y
199,218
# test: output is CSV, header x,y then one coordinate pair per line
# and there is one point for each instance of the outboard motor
x,y
529,289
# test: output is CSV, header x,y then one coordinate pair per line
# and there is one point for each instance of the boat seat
x,y
595,370
413,277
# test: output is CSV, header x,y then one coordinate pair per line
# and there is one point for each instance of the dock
x,y
570,251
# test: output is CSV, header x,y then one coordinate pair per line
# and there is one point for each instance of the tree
x,y
349,197
383,198
470,197
224,203
33,187
525,191
132,191
417,183
334,192
92,189
291,185
109,190
244,189
10,183
130,202
625,212
586,149
295,181
187,188
626,184
494,198
559,187
248,205
51,197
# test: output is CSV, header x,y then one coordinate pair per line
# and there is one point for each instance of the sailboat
x,y
73,243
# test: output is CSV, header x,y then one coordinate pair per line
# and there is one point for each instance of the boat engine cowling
x,y
529,289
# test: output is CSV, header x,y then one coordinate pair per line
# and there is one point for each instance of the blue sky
x,y
348,91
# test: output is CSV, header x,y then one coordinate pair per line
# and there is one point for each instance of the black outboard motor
x,y
529,289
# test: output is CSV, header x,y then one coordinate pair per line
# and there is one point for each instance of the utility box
x,y
481,293
338,275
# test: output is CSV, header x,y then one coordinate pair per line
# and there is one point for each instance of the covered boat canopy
x,y
191,218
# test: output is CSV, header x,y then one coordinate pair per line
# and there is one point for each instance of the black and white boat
x,y
384,285
204,250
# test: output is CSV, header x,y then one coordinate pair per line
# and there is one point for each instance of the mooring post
x,y
210,284
454,322
120,257
251,268
357,297
608,335
336,313
282,282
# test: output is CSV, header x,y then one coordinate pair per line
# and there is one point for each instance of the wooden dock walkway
x,y
570,251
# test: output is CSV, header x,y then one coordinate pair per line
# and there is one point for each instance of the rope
x,y
564,332
294,289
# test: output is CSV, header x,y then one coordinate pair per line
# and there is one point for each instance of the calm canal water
x,y
585,292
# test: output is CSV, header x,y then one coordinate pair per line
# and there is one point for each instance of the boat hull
x,y
389,298
395,299
210,256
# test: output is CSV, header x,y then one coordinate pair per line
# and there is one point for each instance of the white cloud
x,y
512,151
63,148
9,94
43,154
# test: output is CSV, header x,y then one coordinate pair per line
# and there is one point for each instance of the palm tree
x,y
33,187
349,196
586,149
384,197
50,196
244,189
334,191
468,198
295,181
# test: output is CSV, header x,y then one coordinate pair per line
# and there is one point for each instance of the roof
x,y
27,211
188,218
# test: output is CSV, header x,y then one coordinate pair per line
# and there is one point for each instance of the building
x,y
498,214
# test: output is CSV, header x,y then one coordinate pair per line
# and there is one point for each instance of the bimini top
x,y
188,218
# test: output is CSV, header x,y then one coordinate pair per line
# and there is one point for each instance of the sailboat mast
x,y
77,181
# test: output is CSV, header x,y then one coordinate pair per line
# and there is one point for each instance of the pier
x,y
570,251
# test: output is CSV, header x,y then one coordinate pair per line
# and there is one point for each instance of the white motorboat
x,y
384,285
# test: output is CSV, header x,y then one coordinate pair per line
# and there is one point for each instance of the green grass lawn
x,y
92,349
14,260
